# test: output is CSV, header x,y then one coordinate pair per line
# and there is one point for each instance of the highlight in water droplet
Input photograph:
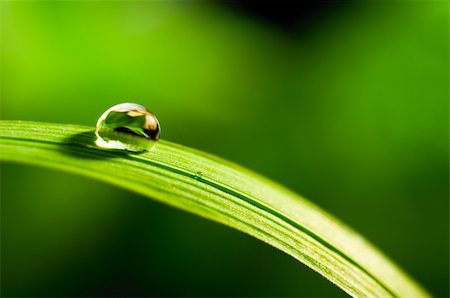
x,y
127,126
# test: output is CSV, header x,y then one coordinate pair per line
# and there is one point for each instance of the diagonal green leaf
x,y
221,191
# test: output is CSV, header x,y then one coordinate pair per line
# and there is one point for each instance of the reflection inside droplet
x,y
127,126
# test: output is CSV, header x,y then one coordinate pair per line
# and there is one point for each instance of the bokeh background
x,y
345,103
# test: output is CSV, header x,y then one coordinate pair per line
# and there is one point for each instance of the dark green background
x,y
348,108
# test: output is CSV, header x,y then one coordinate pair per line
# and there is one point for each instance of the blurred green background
x,y
346,103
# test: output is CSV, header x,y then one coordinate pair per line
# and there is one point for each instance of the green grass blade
x,y
221,191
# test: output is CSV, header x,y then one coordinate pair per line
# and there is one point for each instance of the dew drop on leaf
x,y
127,126
198,175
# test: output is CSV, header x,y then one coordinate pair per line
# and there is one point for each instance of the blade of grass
x,y
221,191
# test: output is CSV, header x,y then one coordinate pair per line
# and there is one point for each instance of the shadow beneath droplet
x,y
83,145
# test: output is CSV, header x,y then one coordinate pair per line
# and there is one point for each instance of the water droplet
x,y
198,175
127,126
